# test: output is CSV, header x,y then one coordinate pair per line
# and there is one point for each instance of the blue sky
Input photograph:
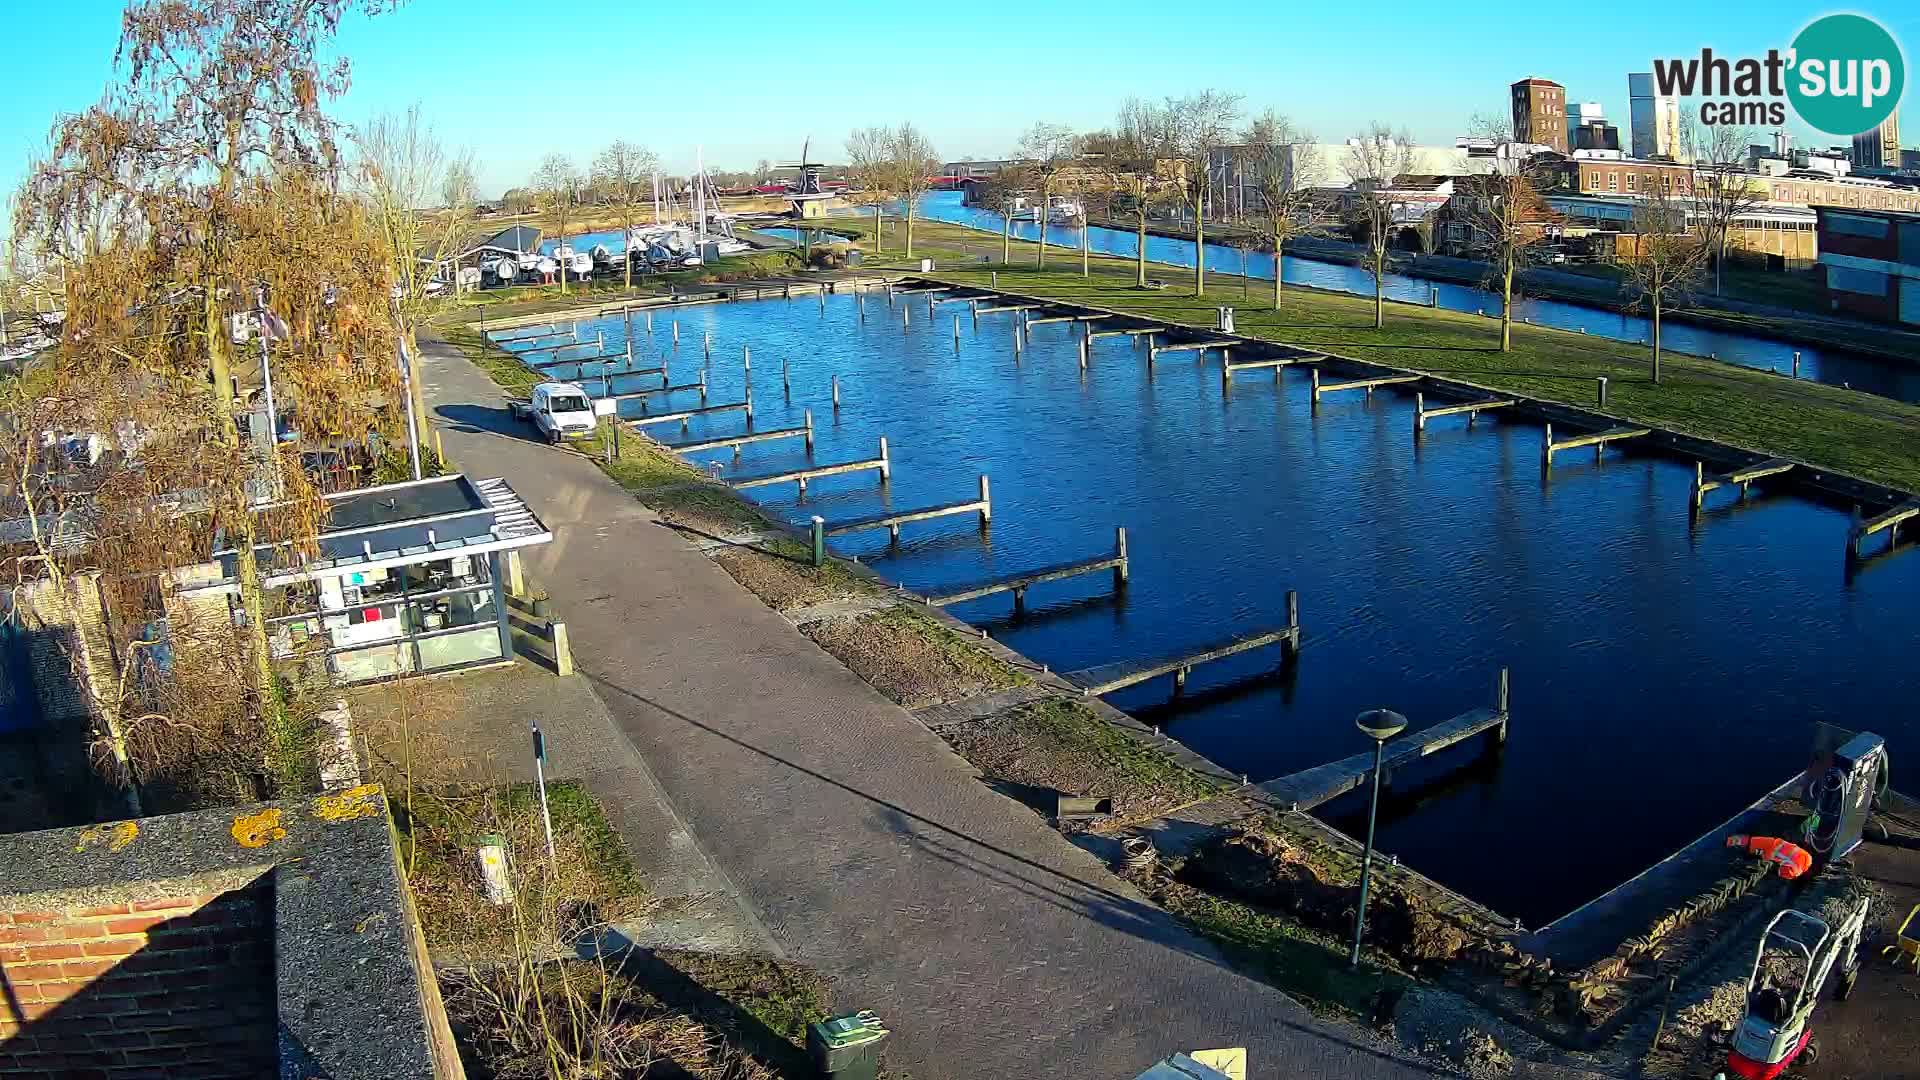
x,y
515,81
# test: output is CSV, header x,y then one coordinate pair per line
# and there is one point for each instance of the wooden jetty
x,y
1366,384
1148,331
1598,440
1008,307
670,388
502,339
1107,678
1422,414
800,476
596,343
685,415
1229,368
1309,788
1888,521
1019,583
1740,478
922,292
1032,322
804,431
1153,351
892,520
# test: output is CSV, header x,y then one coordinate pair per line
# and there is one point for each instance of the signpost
x,y
540,777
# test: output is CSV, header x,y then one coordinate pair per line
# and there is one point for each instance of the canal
x,y
1663,676
1834,366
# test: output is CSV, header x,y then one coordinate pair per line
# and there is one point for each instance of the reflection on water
x,y
1662,677
1824,365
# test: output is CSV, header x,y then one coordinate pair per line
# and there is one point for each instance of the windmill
x,y
808,181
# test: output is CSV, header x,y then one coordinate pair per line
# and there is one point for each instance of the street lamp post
x,y
1379,725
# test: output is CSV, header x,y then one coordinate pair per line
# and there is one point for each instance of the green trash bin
x,y
847,1047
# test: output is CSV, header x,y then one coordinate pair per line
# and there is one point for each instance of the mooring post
x,y
1016,341
1433,296
746,357
860,302
819,537
1120,571
906,314
649,322
1699,482
747,392
1420,412
703,388
973,306
706,344
1546,449
786,380
1853,532
676,333
836,393
1292,646
994,276
1501,687
986,501
956,331
1315,372
1083,354
809,418
1020,600
886,466
1180,681
1796,363
1600,385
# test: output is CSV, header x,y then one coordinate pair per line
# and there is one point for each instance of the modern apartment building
x,y
1871,263
1653,120
1879,148
1540,113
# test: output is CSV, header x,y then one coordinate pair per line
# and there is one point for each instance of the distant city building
x,y
1653,120
1800,187
1909,160
1586,112
1871,263
1596,134
1540,113
1879,148
1236,174
1834,162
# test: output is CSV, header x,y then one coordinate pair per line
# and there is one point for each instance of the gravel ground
x,y
1447,1026
782,583
908,657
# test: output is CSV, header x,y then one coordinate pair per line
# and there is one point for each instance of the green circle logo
x,y
1848,74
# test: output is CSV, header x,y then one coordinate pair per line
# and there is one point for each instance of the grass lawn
x,y
1872,437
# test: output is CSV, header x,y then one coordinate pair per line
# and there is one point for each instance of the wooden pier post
x,y
906,315
956,331
886,464
974,307
819,539
706,344
1546,450
703,388
747,394
562,649
809,421
1016,342
1420,412
676,333
1854,519
1600,386
1796,363
860,302
986,501
1120,569
1083,354
1502,685
1290,647
649,322
786,380
746,358
836,393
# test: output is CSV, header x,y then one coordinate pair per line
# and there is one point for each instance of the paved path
x,y
865,845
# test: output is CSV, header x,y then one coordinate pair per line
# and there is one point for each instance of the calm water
x,y
1825,365
1662,679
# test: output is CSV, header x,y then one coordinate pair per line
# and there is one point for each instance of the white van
x,y
561,410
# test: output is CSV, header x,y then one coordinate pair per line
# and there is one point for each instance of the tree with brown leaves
x,y
198,196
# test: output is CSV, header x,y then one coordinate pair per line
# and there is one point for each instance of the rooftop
x,y
254,941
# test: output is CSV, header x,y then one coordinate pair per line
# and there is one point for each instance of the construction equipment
x,y
1790,968
1905,947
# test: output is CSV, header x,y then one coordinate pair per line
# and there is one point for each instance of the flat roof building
x,y
1870,262
1540,113
1653,120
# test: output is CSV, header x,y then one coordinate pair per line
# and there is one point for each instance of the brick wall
x,y
172,987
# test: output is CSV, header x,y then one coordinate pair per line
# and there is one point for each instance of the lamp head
x,y
1380,724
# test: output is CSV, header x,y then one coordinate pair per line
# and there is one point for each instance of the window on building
x,y
1630,181
1613,181
1863,282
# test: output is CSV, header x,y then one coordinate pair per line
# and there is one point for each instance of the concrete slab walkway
x,y
864,844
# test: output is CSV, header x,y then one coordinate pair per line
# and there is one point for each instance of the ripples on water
x,y
1662,678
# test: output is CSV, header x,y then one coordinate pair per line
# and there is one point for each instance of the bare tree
x,y
1004,193
207,184
1049,147
1133,153
1504,214
622,169
1722,190
1190,128
1667,256
914,163
1375,159
558,182
870,160
1289,169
